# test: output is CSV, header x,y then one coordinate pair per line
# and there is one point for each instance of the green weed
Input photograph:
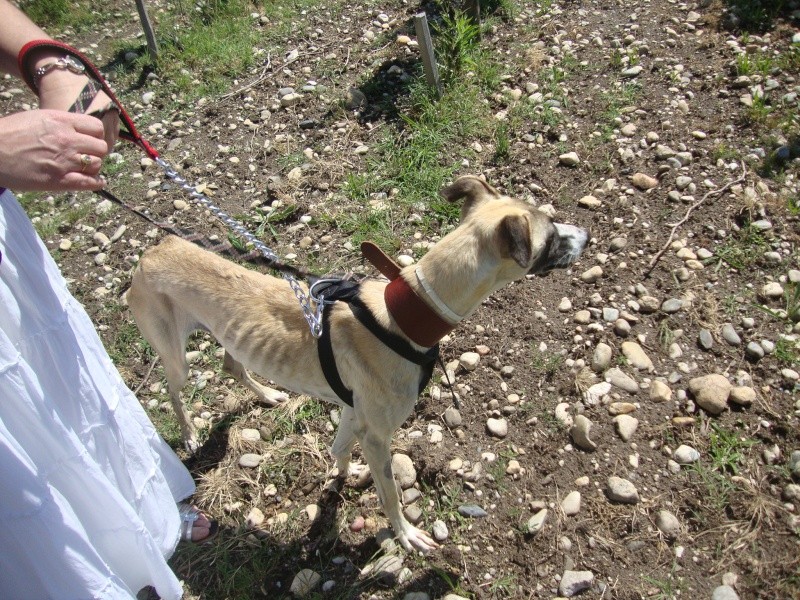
x,y
456,41
545,364
741,250
727,450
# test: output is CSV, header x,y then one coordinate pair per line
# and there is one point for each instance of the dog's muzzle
x,y
566,245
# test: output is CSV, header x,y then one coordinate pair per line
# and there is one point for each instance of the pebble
x,y
250,435
472,511
618,378
626,426
497,427
660,391
685,455
636,356
753,352
621,490
452,417
580,434
592,275
601,359
706,340
724,592
668,524
671,306
742,395
574,582
596,393
711,392
305,582
729,335
536,522
569,159
404,471
772,290
249,460
565,305
440,531
469,360
571,504
644,182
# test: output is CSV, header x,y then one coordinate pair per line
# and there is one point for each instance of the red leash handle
x,y
24,61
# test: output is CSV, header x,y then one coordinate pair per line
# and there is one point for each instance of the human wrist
x,y
48,66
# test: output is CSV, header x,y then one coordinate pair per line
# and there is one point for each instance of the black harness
x,y
348,291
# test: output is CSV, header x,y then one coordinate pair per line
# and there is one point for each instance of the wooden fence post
x,y
426,49
149,34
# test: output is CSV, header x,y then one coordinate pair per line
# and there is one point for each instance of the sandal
x,y
189,515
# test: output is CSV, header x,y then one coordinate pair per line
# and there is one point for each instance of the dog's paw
x,y
413,539
272,397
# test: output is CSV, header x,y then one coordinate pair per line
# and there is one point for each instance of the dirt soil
x,y
736,509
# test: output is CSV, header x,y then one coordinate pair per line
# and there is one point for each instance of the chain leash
x,y
313,315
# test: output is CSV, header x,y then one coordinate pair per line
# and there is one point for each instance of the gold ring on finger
x,y
86,160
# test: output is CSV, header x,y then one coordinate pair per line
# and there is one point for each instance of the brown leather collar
x,y
421,324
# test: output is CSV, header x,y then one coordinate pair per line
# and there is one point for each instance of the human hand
x,y
58,91
51,150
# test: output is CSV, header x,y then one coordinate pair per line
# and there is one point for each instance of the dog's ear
x,y
514,239
474,190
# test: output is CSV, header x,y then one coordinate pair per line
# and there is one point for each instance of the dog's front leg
x,y
376,446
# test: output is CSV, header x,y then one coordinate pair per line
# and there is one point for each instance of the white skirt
x,y
88,489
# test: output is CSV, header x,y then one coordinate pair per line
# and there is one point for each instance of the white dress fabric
x,y
88,488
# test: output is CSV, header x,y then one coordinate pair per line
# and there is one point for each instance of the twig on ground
x,y
146,377
688,214
253,83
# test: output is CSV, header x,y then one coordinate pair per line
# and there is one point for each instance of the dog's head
x,y
518,231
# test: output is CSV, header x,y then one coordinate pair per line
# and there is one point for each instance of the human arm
x,y
42,149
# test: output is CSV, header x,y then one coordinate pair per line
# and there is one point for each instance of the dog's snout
x,y
566,245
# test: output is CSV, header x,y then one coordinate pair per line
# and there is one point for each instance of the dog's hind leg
x,y
160,327
267,395
342,447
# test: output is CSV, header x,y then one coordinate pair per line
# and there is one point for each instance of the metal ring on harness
x,y
312,290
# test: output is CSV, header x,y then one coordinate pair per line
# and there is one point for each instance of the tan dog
x,y
180,288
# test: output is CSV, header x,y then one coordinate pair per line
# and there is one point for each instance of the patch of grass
x,y
759,111
502,143
755,16
791,298
787,352
750,64
214,47
415,161
503,586
52,218
293,417
743,249
615,101
235,566
497,468
545,364
456,42
670,587
376,225
723,151
60,14
727,450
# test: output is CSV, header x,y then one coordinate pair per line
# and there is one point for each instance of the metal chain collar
x,y
313,315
